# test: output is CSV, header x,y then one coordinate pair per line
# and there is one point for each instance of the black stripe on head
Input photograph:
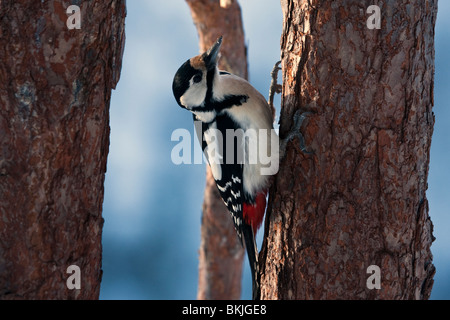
x,y
230,101
181,80
211,104
210,83
227,102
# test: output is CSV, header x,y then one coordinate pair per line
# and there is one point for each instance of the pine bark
x,y
360,198
221,254
55,89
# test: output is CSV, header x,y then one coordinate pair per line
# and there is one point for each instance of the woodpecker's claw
x,y
299,118
274,86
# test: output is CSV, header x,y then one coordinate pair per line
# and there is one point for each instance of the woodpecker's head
x,y
193,81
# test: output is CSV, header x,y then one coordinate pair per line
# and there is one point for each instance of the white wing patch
x,y
236,207
223,189
213,151
236,195
229,184
235,179
229,200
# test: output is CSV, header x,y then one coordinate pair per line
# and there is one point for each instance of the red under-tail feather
x,y
254,214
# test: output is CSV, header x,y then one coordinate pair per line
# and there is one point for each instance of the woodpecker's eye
x,y
197,78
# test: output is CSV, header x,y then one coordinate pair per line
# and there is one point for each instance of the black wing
x,y
230,183
230,186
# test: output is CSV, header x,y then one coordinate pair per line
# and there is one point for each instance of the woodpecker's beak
x,y
210,56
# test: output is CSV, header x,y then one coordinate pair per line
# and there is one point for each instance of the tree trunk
x,y
55,89
359,200
221,253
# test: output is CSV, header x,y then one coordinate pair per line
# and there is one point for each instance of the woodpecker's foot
x,y
274,86
299,118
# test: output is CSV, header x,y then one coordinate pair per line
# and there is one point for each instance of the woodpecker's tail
x,y
252,253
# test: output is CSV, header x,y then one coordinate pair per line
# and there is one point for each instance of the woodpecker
x,y
228,105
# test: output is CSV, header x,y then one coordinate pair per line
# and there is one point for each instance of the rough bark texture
x,y
220,254
55,87
359,200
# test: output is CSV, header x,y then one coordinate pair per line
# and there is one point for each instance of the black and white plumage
x,y
228,105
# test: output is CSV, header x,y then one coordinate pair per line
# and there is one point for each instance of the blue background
x,y
152,208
